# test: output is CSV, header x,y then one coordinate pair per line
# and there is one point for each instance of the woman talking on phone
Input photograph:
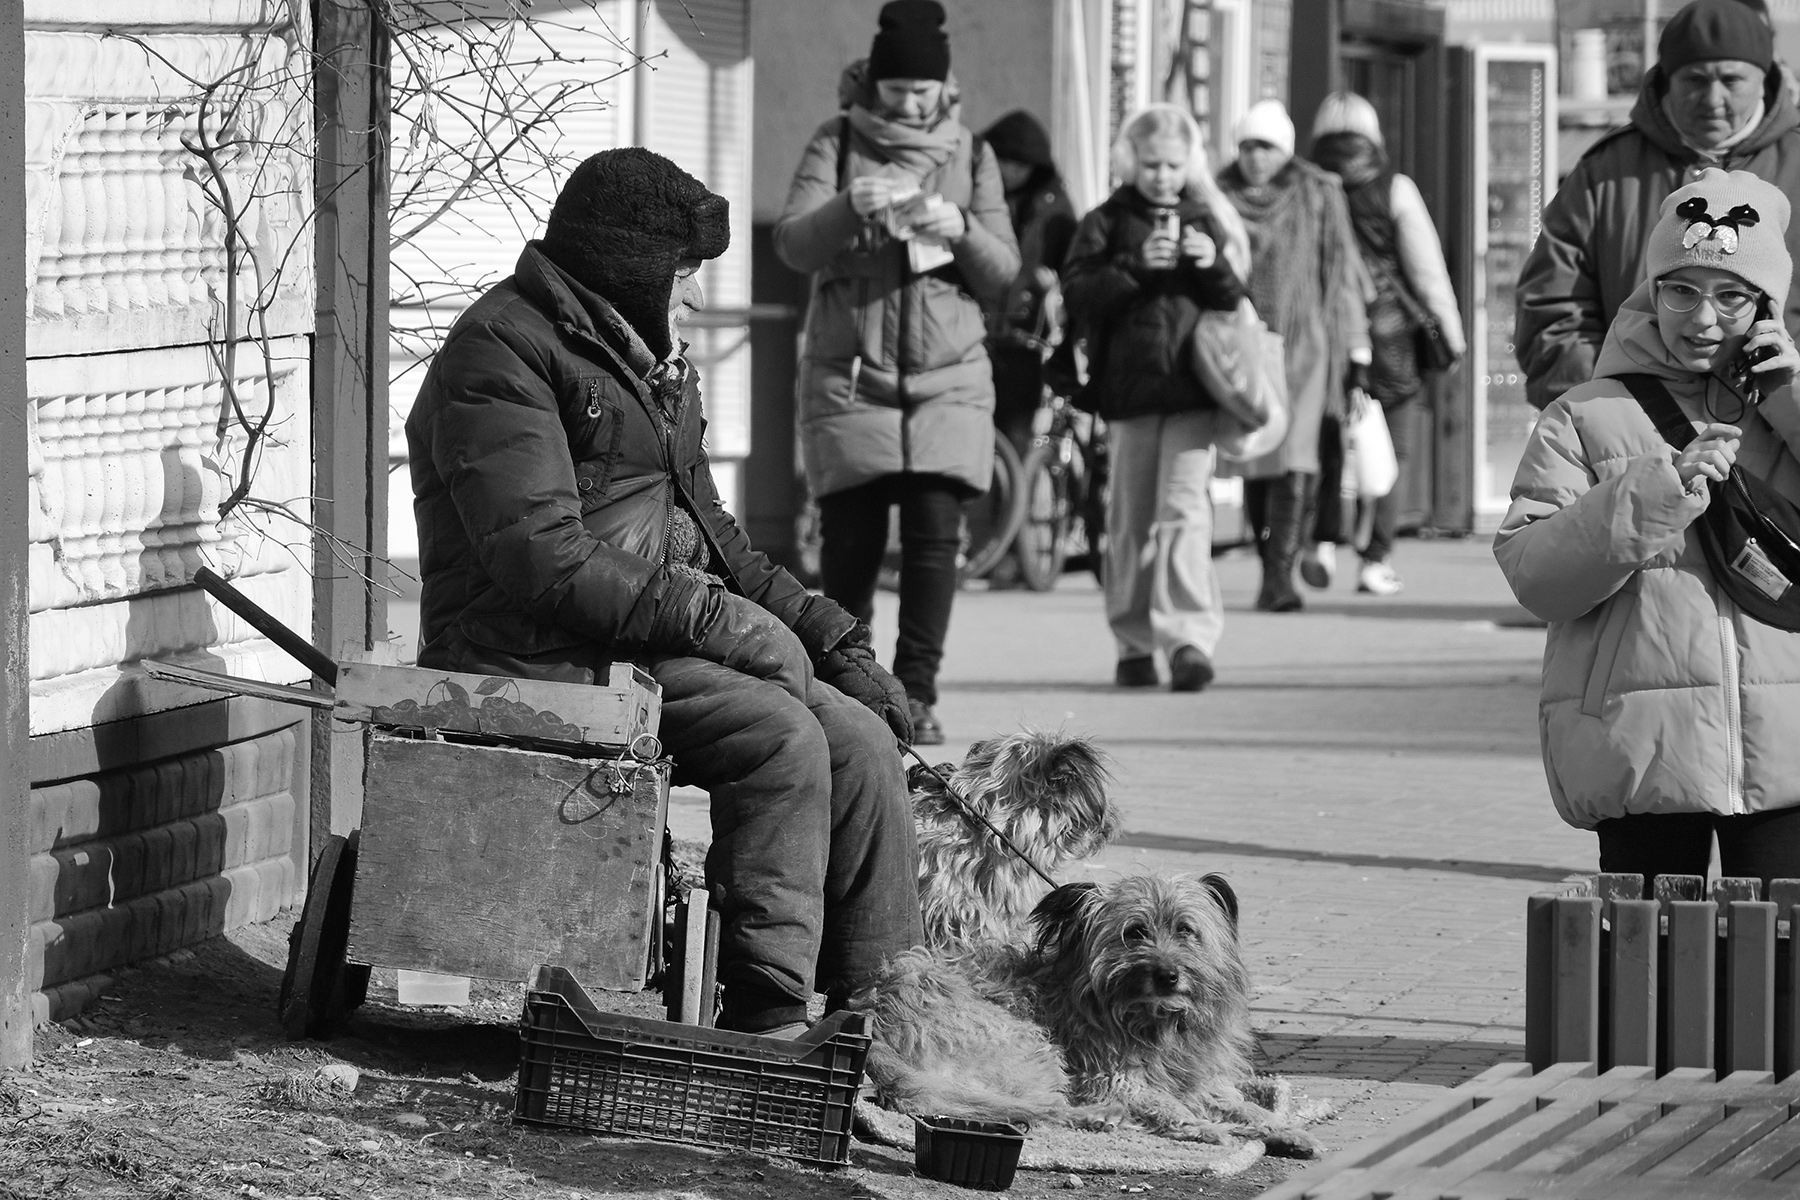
x,y
901,219
1671,698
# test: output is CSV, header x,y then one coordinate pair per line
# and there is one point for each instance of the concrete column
x,y
15,667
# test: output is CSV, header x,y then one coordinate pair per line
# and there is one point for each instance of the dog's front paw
x,y
1201,1131
1100,1118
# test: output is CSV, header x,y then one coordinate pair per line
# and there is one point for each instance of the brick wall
x,y
138,862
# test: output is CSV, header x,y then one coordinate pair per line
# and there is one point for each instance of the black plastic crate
x,y
972,1154
600,1072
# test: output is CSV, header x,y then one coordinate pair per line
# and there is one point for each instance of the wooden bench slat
x,y
1773,1154
1468,1131
1718,1145
1636,932
1575,980
1535,1133
1691,956
1657,1142
1750,986
1600,1136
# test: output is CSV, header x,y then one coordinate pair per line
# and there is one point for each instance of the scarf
x,y
1297,262
916,151
1368,186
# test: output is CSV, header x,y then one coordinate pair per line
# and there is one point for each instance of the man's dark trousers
x,y
813,839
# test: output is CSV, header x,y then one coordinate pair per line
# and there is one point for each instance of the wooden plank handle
x,y
303,651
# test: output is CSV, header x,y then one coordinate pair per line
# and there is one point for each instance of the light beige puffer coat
x,y
1659,694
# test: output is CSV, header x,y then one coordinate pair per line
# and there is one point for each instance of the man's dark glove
x,y
850,667
822,624
705,621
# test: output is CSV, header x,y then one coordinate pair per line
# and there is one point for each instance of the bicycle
x,y
1064,492
993,520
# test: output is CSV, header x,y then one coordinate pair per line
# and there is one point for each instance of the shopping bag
x,y
1240,364
1369,448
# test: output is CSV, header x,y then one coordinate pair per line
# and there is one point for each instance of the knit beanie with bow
x,y
620,225
1728,220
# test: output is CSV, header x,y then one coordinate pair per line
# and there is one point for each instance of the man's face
x,y
685,298
1709,101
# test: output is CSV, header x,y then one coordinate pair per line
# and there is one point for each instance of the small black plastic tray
x,y
971,1154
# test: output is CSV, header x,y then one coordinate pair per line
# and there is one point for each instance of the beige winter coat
x,y
1659,694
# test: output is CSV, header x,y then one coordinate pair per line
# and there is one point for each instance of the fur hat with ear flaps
x,y
620,225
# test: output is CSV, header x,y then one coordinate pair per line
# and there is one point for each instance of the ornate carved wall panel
x,y
123,247
127,473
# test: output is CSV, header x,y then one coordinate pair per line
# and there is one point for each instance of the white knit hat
x,y
1267,121
1731,221
1347,112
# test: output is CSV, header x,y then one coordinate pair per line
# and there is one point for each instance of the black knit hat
x,y
1019,136
623,221
911,43
1707,30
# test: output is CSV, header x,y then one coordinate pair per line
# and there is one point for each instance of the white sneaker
x,y
1318,564
1377,578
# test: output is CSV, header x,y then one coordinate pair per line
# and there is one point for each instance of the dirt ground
x,y
179,1083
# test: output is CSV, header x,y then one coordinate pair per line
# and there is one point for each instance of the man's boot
x,y
1285,514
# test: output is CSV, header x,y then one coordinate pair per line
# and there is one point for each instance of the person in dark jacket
x,y
1142,267
895,393
1400,247
568,518
1715,98
1043,221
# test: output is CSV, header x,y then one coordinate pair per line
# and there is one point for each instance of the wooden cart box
x,y
487,861
1573,1134
611,715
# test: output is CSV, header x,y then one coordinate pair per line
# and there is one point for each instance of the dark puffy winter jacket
x,y
1138,322
546,470
1590,254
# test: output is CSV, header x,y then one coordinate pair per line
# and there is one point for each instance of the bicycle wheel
x,y
992,520
1043,540
1092,505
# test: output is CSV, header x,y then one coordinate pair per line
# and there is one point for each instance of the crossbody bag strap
x,y
1653,397
1416,312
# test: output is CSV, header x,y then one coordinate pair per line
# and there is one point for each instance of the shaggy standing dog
x,y
1046,793
1139,984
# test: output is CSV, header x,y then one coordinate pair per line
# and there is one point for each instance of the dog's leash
x,y
969,811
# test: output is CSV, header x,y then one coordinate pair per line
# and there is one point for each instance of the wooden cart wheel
x,y
319,987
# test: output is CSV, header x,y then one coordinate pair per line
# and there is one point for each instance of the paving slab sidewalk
x,y
1367,774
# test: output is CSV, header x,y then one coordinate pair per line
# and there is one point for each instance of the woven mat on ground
x,y
1057,1148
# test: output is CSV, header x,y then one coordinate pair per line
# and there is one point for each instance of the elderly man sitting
x,y
568,517
1714,99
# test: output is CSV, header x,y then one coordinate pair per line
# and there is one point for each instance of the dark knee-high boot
x,y
1285,514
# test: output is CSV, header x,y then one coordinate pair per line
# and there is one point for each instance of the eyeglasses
x,y
1729,303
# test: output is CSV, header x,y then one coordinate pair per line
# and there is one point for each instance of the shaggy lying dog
x,y
1131,1003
